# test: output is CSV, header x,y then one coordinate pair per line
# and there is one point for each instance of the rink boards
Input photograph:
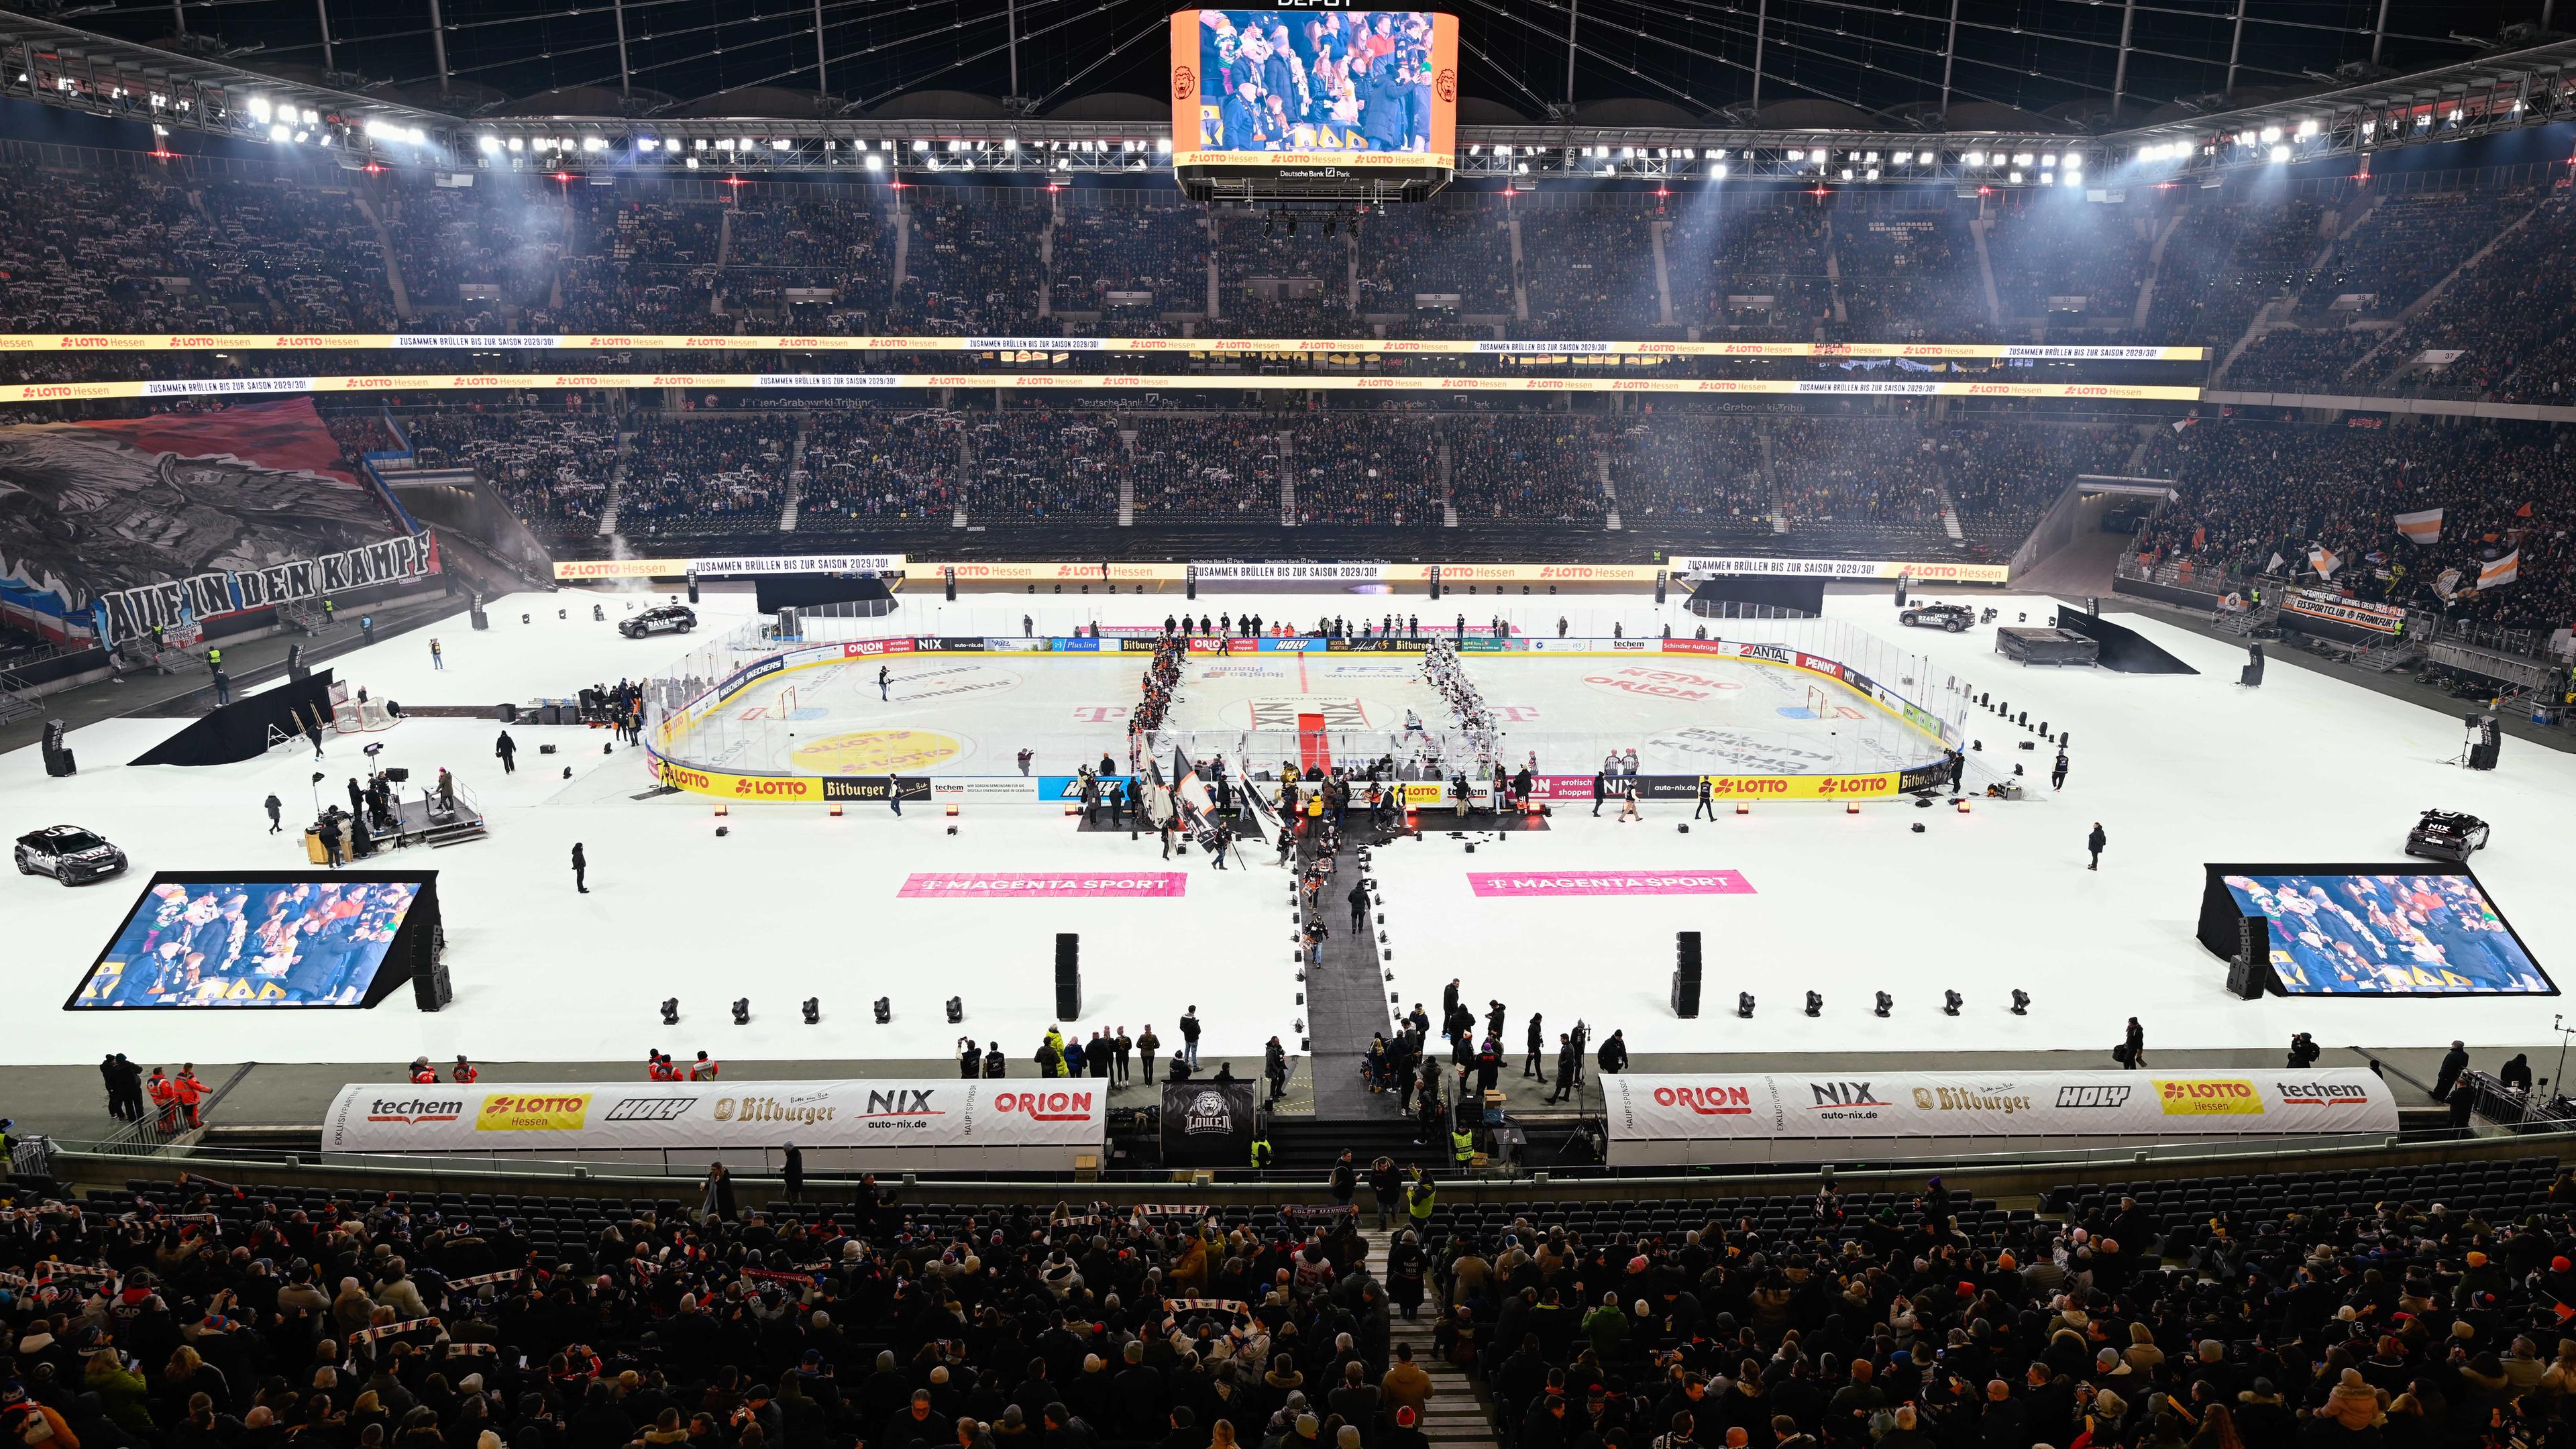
x,y
675,762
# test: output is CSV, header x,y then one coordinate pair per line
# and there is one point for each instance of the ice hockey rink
x,y
2180,769
1609,702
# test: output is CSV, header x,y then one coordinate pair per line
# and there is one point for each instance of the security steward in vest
x,y
1261,1151
1462,1145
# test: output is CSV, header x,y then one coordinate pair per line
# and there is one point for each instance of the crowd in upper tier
x,y
2331,287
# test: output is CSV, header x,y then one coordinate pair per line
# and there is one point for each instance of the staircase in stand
x,y
1448,490
1287,480
795,482
1609,492
1126,500
1458,1415
616,487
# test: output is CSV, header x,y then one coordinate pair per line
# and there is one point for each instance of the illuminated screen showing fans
x,y
249,943
2388,935
1342,88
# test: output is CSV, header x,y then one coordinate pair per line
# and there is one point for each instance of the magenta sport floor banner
x,y
1665,1121
187,498
943,1122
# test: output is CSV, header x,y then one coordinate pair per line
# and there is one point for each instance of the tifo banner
x,y
1054,885
395,384
1921,571
809,342
185,499
560,1118
1661,1120
129,613
709,568
2334,608
1609,883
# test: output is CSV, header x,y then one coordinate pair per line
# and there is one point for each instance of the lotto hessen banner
x,y
1939,571
1609,883
1048,885
2351,613
592,1118
1675,789
1659,1120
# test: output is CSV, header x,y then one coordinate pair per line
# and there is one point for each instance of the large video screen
x,y
194,942
2388,935
1356,88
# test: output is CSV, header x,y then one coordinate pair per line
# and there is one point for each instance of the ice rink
x,y
2179,770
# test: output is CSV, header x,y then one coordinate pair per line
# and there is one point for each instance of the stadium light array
x,y
2280,154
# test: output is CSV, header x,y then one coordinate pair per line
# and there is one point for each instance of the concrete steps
x,y
1458,1413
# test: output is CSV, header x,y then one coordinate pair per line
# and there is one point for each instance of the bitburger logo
x,y
724,1109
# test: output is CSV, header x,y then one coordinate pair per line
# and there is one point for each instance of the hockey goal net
x,y
352,717
787,702
1819,704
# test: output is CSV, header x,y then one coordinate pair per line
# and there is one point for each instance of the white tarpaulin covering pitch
x,y
1665,1121
941,1123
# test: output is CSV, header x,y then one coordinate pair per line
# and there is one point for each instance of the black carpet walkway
x,y
1346,997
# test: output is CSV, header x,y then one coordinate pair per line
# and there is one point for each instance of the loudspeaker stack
x,y
1686,974
1068,976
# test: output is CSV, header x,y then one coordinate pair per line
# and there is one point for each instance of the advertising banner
x,y
1667,1120
1055,885
1609,883
809,342
736,566
1208,1124
1920,571
1290,573
395,384
572,1119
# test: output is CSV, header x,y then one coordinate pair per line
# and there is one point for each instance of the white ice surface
x,y
2180,770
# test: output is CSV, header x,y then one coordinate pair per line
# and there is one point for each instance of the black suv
x,y
69,854
1953,617
668,619
2446,835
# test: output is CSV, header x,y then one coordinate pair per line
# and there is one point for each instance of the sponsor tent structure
x,y
943,1124
1678,1121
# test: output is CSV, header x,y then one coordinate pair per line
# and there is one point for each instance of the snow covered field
x,y
2179,769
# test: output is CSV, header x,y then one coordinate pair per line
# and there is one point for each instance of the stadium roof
x,y
1640,129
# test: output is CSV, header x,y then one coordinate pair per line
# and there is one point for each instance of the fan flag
x,y
2424,527
2502,571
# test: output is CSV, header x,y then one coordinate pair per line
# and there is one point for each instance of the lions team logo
x,y
1185,83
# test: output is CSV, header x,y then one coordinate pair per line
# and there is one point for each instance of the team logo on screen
x,y
1185,83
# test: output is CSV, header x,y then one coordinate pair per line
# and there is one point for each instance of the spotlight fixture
x,y
1886,1003
1744,1005
671,1011
1815,1003
813,1008
2021,1002
742,1011
1949,1003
